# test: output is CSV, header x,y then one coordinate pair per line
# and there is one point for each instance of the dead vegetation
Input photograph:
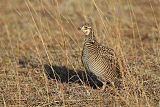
x,y
35,34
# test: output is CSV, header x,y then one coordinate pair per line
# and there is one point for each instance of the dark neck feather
x,y
90,37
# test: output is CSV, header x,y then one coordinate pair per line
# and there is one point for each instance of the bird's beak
x,y
79,28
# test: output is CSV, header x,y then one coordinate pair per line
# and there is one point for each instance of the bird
x,y
98,59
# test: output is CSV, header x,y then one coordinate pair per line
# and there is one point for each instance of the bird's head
x,y
86,29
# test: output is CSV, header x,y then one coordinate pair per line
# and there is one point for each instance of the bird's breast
x,y
93,61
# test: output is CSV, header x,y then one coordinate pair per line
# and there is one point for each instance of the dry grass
x,y
37,32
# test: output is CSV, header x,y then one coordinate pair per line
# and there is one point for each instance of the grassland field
x,y
35,34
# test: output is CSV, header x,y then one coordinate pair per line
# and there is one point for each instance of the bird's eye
x,y
85,27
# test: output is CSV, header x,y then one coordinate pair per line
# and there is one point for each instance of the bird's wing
x,y
109,54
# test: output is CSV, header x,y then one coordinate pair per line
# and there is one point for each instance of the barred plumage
x,y
98,59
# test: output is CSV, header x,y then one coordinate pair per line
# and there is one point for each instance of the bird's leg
x,y
112,84
104,86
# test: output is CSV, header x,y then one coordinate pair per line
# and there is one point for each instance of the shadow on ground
x,y
62,73
66,75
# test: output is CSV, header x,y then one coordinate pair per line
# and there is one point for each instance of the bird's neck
x,y
90,37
